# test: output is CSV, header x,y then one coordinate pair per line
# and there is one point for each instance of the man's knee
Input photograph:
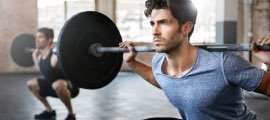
x,y
59,86
32,85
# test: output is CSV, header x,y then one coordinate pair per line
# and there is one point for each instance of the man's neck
x,y
45,51
181,60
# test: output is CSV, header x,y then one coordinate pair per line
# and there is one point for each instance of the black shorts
x,y
47,90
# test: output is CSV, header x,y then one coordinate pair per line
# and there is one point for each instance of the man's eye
x,y
165,22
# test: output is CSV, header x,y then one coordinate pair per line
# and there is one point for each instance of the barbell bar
x,y
211,47
97,49
31,50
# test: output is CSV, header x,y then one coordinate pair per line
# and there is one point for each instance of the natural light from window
x,y
134,26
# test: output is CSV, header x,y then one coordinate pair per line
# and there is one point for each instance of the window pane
x,y
205,28
53,13
76,6
131,22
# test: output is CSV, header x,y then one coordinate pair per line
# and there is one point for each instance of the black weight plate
x,y
77,34
17,50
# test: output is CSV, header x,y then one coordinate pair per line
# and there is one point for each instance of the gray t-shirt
x,y
212,89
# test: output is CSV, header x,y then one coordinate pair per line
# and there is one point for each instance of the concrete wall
x,y
17,17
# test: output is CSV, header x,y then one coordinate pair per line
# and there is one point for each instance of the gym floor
x,y
128,97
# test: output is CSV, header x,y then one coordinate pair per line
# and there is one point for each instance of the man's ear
x,y
187,27
51,41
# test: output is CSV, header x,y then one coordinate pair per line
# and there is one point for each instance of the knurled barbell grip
x,y
264,47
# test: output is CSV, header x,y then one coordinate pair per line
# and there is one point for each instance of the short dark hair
x,y
182,10
48,32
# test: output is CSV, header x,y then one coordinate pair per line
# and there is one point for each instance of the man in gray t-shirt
x,y
211,89
202,85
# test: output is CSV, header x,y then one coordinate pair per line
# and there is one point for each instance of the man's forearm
x,y
35,59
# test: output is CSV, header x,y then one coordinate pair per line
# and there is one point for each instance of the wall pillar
x,y
226,25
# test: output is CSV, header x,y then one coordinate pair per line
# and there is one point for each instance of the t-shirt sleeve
x,y
240,72
156,59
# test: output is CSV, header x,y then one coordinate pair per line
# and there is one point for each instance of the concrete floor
x,y
128,97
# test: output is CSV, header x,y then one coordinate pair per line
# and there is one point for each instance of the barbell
x,y
20,52
22,48
88,52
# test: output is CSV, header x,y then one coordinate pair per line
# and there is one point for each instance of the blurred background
x,y
218,22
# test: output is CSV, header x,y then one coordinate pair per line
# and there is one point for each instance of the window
x,y
205,28
131,22
54,13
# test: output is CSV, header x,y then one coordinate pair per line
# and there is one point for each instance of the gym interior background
x,y
219,21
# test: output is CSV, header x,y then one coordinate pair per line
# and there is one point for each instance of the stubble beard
x,y
172,46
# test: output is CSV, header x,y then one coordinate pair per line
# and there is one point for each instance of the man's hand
x,y
263,56
36,53
140,68
130,56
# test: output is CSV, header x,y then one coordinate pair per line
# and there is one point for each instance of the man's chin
x,y
159,50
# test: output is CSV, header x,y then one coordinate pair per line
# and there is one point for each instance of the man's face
x,y
166,31
41,41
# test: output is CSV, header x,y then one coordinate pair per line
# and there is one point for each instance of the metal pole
x,y
210,47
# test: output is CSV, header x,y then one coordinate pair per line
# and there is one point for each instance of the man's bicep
x,y
54,61
36,60
264,87
153,80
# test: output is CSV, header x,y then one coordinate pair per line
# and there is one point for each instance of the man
x,y
201,84
53,83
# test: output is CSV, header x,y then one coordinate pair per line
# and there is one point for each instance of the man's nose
x,y
155,30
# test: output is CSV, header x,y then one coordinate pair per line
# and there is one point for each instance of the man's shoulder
x,y
157,58
210,54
